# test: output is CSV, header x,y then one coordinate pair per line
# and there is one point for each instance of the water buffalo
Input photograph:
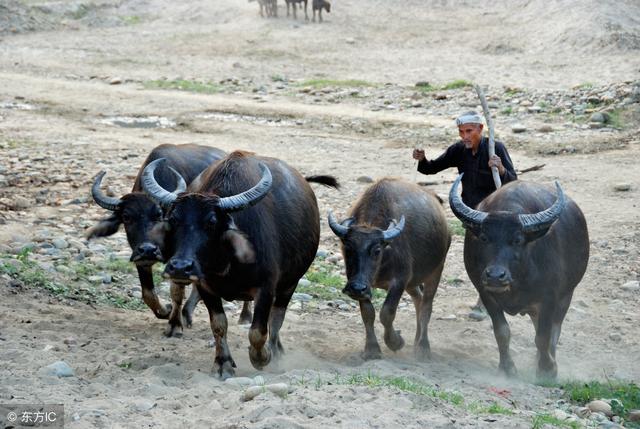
x,y
140,215
248,231
526,248
318,5
294,4
396,238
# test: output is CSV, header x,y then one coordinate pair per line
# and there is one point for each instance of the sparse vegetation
x,y
456,228
456,84
507,110
585,85
615,119
131,20
627,395
542,420
493,408
185,85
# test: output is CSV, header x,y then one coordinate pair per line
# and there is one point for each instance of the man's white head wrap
x,y
470,117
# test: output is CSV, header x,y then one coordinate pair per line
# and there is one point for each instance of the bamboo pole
x,y
492,144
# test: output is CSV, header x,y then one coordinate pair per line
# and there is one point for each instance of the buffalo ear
x,y
107,226
241,247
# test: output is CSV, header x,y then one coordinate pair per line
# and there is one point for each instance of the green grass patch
x,y
507,110
615,119
493,408
185,85
542,420
457,84
348,83
425,87
456,228
626,394
132,20
585,85
403,384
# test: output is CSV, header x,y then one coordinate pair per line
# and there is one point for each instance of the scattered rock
x,y
518,128
600,407
304,282
545,129
59,369
322,253
622,187
115,81
19,203
448,317
252,392
302,297
631,286
239,381
582,412
634,415
60,243
599,117
144,405
280,389
596,125
615,336
477,315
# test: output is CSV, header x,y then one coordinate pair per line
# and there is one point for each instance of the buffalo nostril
x,y
497,273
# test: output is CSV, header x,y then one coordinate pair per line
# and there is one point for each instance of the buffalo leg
x,y
371,347
245,314
149,295
259,351
190,305
314,14
276,319
174,329
416,296
502,333
429,287
223,362
320,15
306,15
547,336
392,338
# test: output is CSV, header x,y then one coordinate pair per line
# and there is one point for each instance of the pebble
x,y
545,129
364,179
322,253
582,412
634,415
19,203
144,405
239,381
477,315
304,283
115,81
518,128
280,389
600,117
622,187
60,243
302,297
59,368
600,407
631,286
448,317
614,336
252,392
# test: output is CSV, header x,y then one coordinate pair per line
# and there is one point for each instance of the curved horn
x,y
339,229
542,220
394,229
101,199
250,197
157,192
468,216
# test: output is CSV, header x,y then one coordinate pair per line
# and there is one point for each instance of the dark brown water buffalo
x,y
526,249
249,231
318,5
140,215
396,238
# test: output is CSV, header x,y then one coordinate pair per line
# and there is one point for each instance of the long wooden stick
x,y
492,144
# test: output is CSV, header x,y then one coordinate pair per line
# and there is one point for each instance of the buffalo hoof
x,y
393,340
423,354
509,369
174,331
188,319
164,313
224,368
547,374
372,353
259,358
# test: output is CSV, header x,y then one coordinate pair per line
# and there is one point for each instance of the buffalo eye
x,y
375,250
126,218
518,240
483,237
212,220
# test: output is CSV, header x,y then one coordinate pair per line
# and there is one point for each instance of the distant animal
x,y
526,248
395,238
248,230
294,4
268,8
318,5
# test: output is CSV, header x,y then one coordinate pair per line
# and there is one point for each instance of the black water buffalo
x,y
248,231
526,249
318,5
294,4
140,214
396,238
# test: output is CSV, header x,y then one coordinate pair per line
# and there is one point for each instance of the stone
x,y
239,381
622,187
518,128
59,369
634,415
560,414
304,282
19,203
545,129
582,412
448,317
600,117
302,297
615,336
596,125
600,407
144,405
477,315
322,253
60,243
115,81
252,392
280,389
631,286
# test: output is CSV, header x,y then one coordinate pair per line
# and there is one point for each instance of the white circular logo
x,y
12,416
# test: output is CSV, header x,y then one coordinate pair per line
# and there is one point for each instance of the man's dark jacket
x,y
477,182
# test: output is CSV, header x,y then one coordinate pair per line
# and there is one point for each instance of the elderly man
x,y
471,156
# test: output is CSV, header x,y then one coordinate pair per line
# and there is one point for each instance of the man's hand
x,y
418,154
495,161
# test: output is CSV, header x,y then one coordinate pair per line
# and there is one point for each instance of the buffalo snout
x,y
496,277
358,291
146,252
181,269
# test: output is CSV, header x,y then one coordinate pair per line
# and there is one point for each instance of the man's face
x,y
471,134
